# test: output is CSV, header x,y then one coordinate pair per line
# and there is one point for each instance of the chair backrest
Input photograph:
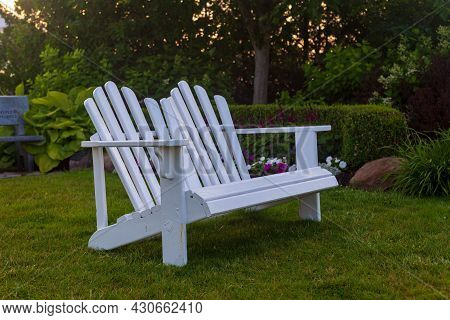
x,y
12,109
213,155
216,145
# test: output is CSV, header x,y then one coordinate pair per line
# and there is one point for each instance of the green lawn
x,y
368,246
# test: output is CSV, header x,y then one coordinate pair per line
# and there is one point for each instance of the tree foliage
x,y
126,32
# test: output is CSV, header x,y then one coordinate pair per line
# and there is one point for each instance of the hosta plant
x,y
64,123
7,150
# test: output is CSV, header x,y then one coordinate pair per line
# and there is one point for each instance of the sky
x,y
9,4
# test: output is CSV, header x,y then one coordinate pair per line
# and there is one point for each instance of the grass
x,y
368,246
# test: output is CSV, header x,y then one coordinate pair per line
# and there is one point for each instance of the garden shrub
x,y
426,171
62,72
341,74
63,121
428,108
360,133
154,76
403,67
417,78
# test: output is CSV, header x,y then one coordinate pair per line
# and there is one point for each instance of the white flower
x,y
328,159
249,167
262,158
337,160
342,164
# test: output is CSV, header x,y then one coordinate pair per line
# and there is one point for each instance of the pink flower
x,y
281,167
267,167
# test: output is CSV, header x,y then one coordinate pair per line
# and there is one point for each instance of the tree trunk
x,y
305,36
261,81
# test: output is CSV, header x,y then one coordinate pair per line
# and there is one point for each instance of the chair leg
x,y
173,207
174,243
28,162
100,188
310,207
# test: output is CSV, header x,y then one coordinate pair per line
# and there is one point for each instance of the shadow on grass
x,y
237,236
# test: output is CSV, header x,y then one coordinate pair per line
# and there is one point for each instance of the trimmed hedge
x,y
360,133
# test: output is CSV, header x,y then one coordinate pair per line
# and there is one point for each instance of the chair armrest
x,y
135,143
282,130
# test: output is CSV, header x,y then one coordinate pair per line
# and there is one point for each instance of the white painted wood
x,y
233,140
282,130
306,149
226,203
183,198
162,131
191,178
116,158
127,156
141,122
203,131
157,119
100,188
131,134
194,136
260,183
307,157
194,156
214,125
137,227
310,207
173,207
135,143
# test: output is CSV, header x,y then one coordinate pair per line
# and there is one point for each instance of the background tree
x,y
259,18
220,36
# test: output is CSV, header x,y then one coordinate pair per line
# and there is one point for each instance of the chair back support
x,y
213,155
11,110
222,148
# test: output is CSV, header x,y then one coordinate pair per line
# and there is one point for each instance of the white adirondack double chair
x,y
201,169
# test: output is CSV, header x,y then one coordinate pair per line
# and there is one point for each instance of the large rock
x,y
377,174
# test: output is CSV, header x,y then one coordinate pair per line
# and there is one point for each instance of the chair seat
x,y
222,198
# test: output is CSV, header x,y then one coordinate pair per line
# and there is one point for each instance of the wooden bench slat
x,y
21,139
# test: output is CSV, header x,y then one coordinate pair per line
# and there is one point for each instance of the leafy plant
x,y
426,171
428,108
62,72
408,62
341,73
64,123
360,133
7,150
268,145
154,76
